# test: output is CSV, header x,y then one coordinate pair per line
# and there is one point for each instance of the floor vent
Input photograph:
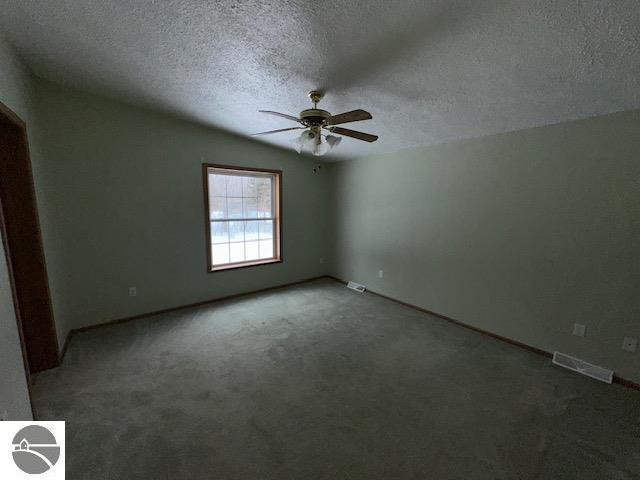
x,y
583,367
356,286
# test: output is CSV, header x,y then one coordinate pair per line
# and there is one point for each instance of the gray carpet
x,y
319,382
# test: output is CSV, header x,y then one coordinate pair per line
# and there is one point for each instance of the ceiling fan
x,y
315,120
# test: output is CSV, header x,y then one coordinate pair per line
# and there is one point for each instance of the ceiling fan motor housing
x,y
314,117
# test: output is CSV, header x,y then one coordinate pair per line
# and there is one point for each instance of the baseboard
x,y
173,309
619,380
616,379
63,352
626,383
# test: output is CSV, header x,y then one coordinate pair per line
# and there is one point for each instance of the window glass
x,y
243,216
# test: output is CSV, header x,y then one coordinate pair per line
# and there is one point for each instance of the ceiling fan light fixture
x,y
297,145
320,148
305,140
333,141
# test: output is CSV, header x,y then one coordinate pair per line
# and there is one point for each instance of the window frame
x,y
277,211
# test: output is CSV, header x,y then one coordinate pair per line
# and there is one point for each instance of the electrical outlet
x,y
630,344
133,291
380,273
579,330
5,416
321,260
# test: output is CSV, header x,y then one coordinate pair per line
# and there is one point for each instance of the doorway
x,y
23,245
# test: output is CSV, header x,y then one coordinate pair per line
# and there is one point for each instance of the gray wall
x,y
121,205
521,234
14,396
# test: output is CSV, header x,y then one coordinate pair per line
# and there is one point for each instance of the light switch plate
x,y
579,330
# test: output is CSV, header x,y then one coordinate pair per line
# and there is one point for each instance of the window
x,y
243,216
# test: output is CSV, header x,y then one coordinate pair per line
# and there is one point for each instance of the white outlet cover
x,y
380,273
630,344
133,291
579,330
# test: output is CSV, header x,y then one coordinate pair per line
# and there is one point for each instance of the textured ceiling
x,y
428,71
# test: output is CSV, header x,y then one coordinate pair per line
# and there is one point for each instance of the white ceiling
x,y
428,71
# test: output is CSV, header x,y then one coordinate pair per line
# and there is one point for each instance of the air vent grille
x,y
580,366
356,286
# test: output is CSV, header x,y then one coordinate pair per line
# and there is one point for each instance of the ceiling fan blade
x,y
346,117
276,131
283,115
367,137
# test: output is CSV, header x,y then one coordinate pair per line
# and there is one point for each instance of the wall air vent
x,y
583,367
356,286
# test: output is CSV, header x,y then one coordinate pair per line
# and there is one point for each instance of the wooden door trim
x,y
16,309
51,354
12,117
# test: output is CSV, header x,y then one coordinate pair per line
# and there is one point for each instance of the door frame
x,y
16,309
22,240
